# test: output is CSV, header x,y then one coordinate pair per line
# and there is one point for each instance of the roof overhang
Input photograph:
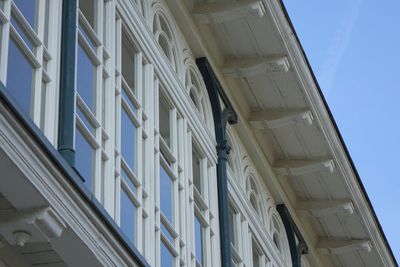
x,y
260,62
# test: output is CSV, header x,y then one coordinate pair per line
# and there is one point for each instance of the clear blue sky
x,y
354,49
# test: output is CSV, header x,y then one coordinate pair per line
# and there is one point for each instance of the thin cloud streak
x,y
338,46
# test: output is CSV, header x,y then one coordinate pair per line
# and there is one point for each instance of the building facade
x,y
171,133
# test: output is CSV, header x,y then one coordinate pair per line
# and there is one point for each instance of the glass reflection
x,y
19,76
85,79
128,140
128,216
166,194
84,158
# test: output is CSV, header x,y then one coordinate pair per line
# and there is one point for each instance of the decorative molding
x,y
43,224
222,12
338,247
324,208
301,167
248,67
274,119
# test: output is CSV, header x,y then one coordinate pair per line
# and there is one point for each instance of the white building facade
x,y
143,184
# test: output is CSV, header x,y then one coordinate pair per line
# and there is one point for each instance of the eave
x,y
268,145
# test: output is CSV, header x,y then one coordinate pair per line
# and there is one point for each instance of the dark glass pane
x,y
128,216
22,32
19,76
232,226
167,259
84,155
256,257
198,233
128,66
128,140
196,170
87,8
85,78
167,233
129,101
166,194
164,121
28,9
128,180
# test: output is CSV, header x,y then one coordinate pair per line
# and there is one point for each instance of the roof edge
x,y
342,142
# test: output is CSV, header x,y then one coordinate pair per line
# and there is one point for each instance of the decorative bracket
x,y
43,224
222,12
301,167
273,119
324,208
338,247
248,67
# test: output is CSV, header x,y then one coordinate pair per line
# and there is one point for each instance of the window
x,y
197,170
233,226
130,138
198,237
252,193
164,37
256,254
27,54
168,181
90,134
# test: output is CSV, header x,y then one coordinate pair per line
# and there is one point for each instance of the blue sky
x,y
354,49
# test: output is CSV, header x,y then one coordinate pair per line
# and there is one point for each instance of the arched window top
x,y
279,237
253,193
165,38
195,87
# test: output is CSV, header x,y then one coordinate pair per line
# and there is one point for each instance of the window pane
x,y
167,259
128,216
198,233
196,170
21,31
128,100
166,194
85,78
128,180
128,140
43,93
167,233
84,154
87,8
256,256
164,111
28,9
85,120
232,226
19,76
128,61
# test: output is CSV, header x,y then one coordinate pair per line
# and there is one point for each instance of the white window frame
x,y
44,58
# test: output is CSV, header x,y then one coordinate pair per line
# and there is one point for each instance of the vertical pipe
x,y
67,81
221,118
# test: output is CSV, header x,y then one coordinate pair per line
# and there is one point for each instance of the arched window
x,y
276,233
163,33
253,194
198,94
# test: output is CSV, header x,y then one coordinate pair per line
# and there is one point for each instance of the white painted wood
x,y
338,247
42,224
274,119
315,208
218,12
249,67
302,167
